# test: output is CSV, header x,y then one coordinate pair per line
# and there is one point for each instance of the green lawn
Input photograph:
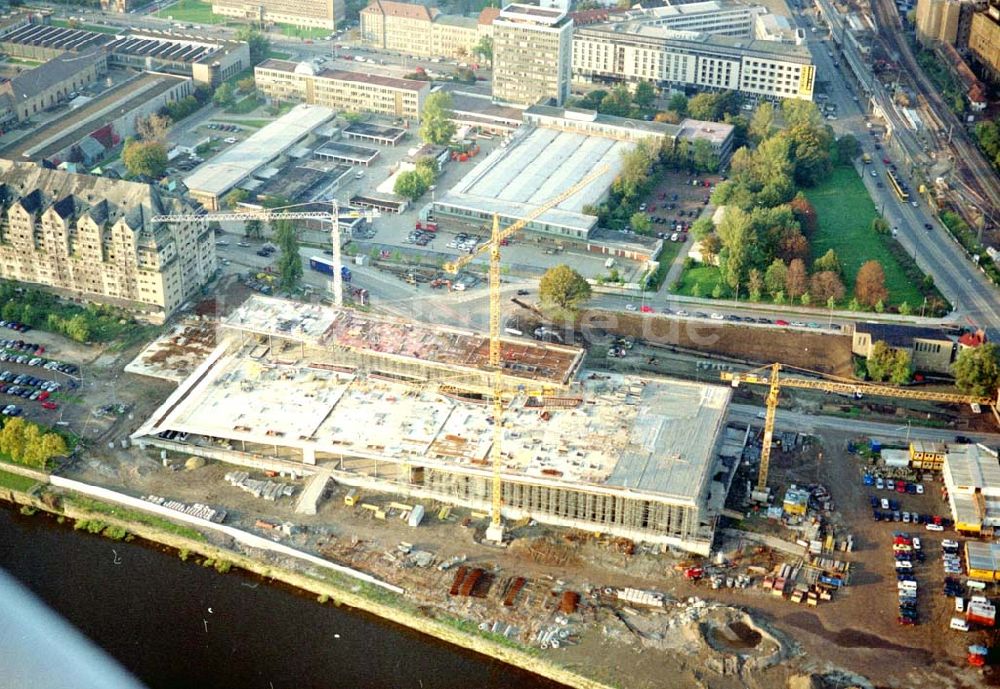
x,y
706,277
193,11
16,481
311,32
845,212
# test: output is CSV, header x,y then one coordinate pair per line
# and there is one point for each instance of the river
x,y
176,624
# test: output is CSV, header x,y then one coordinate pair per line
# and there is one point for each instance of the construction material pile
x,y
269,490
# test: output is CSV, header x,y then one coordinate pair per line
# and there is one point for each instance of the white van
x,y
976,585
958,624
609,264
959,604
907,585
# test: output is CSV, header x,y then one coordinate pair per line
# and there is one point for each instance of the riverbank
x,y
330,585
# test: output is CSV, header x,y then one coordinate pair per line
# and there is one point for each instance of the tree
x,y
710,248
644,96
679,104
847,149
826,285
775,276
152,128
869,286
977,370
889,363
829,261
145,158
410,184
289,263
484,49
635,171
880,226
12,438
563,287
223,96
738,237
762,122
755,284
235,198
801,112
258,44
436,126
247,84
253,229
795,280
618,102
805,213
793,246
667,116
640,223
810,148
702,106
702,227
704,157
592,100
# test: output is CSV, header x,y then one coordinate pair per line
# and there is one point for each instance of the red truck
x,y
427,226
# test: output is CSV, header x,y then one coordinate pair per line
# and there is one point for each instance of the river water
x,y
177,625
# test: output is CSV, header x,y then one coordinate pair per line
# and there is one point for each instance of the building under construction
x,y
400,406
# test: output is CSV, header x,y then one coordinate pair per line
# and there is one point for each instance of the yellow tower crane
x,y
332,216
770,376
495,530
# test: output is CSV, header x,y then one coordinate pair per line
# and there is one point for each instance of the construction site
x,y
401,407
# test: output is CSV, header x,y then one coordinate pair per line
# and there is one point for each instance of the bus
x,y
897,187
325,265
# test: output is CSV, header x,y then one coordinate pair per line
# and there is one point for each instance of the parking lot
x,y
677,201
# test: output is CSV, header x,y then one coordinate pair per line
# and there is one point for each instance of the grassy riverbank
x,y
329,585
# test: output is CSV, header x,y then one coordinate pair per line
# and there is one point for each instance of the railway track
x,y
970,166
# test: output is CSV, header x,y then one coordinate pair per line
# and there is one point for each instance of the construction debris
x,y
269,490
195,510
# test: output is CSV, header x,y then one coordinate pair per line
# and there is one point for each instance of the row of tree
x,y
988,138
976,369
26,443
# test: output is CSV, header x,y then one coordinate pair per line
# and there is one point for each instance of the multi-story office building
x,y
91,238
704,17
531,54
984,40
341,90
633,51
947,21
423,31
308,13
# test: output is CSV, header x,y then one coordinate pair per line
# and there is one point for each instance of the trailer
x,y
324,265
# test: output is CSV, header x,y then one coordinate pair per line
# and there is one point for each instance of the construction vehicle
x,y
495,530
774,381
269,214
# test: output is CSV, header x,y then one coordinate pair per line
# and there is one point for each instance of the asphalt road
x,y
936,252
807,423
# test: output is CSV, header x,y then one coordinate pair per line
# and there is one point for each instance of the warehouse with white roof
x,y
213,180
557,148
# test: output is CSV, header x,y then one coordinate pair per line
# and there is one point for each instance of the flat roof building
x,y
414,29
359,92
212,180
532,49
636,50
972,477
984,40
555,149
206,60
322,14
618,454
91,238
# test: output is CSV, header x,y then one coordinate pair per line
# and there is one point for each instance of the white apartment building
x,y
92,238
531,54
633,51
704,17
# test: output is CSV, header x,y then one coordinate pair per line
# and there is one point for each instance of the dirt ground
x,y
825,353
857,631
